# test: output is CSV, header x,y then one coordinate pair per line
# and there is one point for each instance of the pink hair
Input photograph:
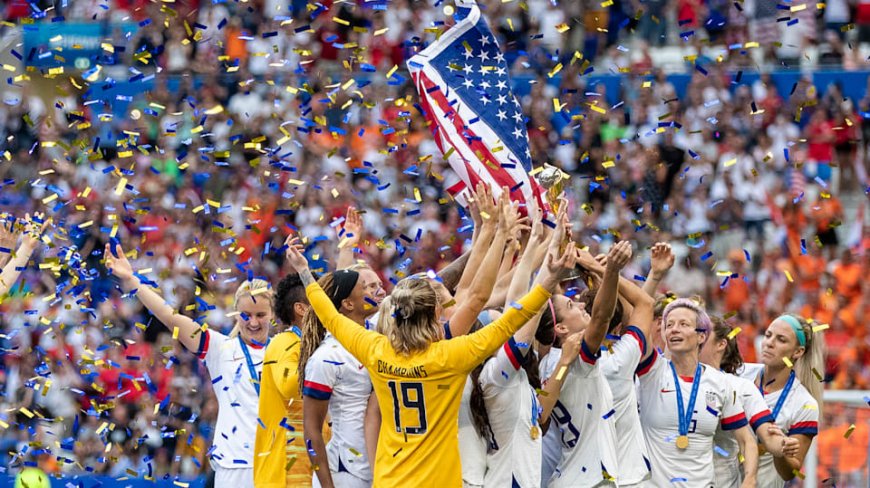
x,y
702,323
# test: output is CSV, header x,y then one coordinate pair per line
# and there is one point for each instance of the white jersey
x,y
715,405
512,408
235,429
618,363
333,374
726,464
585,416
472,448
798,415
552,441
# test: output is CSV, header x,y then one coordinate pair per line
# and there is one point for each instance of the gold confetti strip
x,y
849,431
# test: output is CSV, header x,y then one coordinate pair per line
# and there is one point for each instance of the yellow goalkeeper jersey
x,y
280,458
419,394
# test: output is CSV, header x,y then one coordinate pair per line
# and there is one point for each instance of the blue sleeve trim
x,y
587,355
315,394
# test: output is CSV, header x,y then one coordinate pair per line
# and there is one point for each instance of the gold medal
x,y
535,432
683,441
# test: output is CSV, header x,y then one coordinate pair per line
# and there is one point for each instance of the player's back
x,y
419,398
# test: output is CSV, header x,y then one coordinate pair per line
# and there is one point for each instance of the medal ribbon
x,y
685,416
781,401
251,369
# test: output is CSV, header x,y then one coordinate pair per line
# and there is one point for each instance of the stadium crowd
x,y
751,186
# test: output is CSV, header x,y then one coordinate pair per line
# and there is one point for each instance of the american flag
x,y
476,120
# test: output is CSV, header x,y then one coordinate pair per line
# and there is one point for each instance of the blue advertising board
x,y
75,44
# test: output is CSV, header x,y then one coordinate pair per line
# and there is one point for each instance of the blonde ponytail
x,y
811,366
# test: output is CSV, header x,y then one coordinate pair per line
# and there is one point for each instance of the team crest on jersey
x,y
712,400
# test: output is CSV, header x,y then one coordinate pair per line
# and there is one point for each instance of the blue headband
x,y
798,328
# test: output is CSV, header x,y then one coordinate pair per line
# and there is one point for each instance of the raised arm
x,y
8,238
452,272
349,239
29,242
520,284
482,286
661,261
642,309
522,277
605,300
354,338
642,305
188,330
467,351
484,204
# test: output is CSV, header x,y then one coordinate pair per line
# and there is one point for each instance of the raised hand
x,y
33,230
661,259
556,264
294,254
588,262
353,227
8,238
119,266
537,237
619,255
511,220
485,203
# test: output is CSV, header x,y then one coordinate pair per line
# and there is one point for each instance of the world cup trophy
x,y
552,179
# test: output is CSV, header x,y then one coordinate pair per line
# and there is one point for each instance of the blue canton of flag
x,y
476,120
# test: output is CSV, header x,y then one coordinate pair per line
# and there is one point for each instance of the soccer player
x,y
584,411
280,457
619,361
418,377
721,352
226,357
792,355
335,382
511,414
682,402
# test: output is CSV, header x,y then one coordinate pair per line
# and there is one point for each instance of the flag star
x,y
516,102
501,85
501,115
483,70
468,83
485,85
484,56
518,133
528,153
484,40
466,68
499,57
501,99
518,117
485,100
500,71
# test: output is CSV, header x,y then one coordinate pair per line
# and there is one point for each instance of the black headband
x,y
344,281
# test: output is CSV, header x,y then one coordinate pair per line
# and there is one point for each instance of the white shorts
x,y
341,480
234,477
639,484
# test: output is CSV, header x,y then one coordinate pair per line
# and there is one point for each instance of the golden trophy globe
x,y
552,179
